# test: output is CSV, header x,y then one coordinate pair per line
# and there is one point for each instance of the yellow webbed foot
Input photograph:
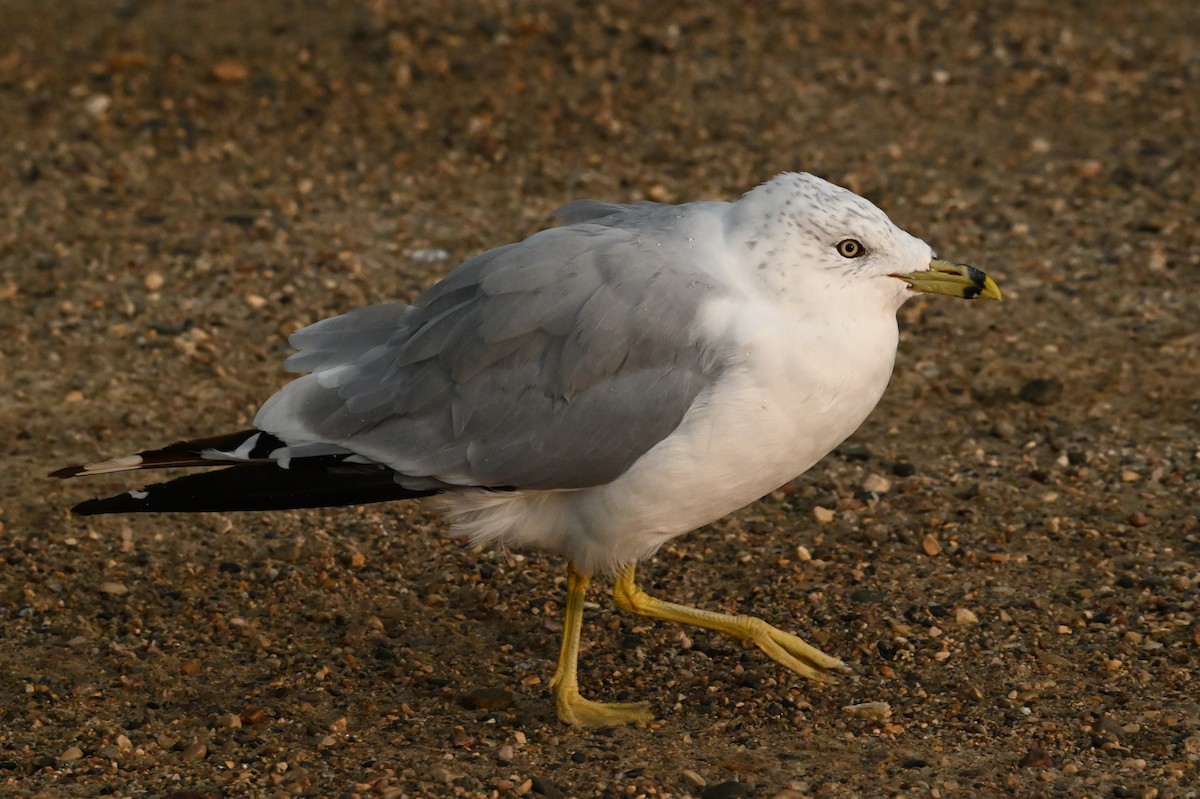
x,y
573,709
784,648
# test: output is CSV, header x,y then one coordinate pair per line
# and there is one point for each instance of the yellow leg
x,y
573,708
784,648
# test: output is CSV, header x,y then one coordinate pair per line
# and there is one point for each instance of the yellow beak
x,y
955,280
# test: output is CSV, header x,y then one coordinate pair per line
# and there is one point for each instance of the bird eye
x,y
851,248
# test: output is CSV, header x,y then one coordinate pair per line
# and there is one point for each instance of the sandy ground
x,y
1009,556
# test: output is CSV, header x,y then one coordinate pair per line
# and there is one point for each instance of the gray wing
x,y
552,363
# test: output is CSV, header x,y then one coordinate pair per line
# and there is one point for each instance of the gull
x,y
594,391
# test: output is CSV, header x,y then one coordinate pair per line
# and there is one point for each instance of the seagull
x,y
594,391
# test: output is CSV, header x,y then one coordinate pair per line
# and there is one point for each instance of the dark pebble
x,y
852,452
543,786
903,468
1036,758
1041,391
867,595
914,762
725,790
487,699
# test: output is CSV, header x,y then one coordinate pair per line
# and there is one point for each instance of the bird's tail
x,y
266,474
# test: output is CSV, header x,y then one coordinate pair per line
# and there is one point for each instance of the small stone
x,y
190,667
256,300
429,255
154,281
505,754
327,742
854,452
725,790
903,468
1138,519
931,546
1036,758
964,617
97,105
823,515
70,753
870,710
487,699
114,588
1041,391
123,743
230,72
877,484
693,778
197,751
543,786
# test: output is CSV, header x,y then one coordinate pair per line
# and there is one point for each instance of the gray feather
x,y
552,363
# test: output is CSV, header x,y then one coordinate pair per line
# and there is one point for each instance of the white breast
x,y
770,417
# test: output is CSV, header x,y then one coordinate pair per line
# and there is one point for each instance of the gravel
x,y
1007,554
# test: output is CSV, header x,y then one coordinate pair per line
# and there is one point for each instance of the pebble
x,y
854,452
931,546
1036,758
543,786
197,751
693,778
870,710
97,105
1041,391
903,468
429,255
823,515
487,699
114,588
877,484
230,72
70,753
505,754
963,617
154,281
725,790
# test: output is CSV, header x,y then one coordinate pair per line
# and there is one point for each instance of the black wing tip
x,y
68,471
258,487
